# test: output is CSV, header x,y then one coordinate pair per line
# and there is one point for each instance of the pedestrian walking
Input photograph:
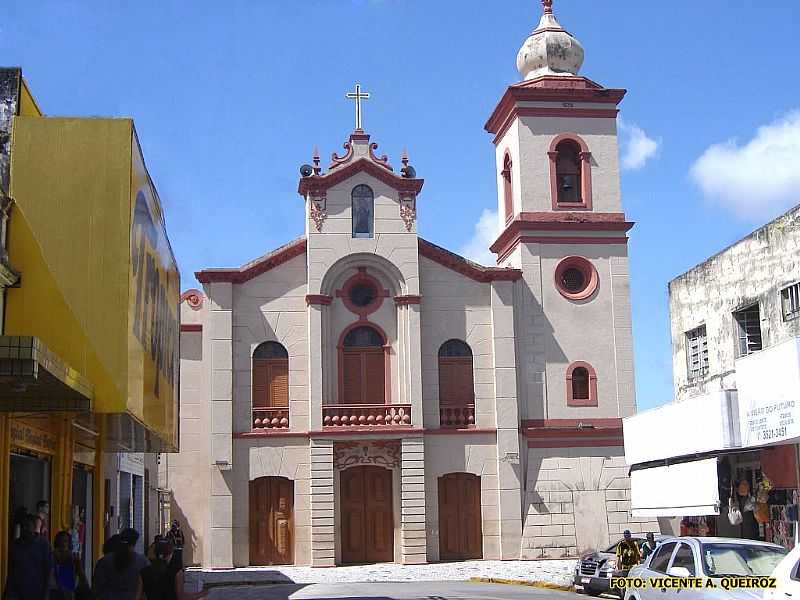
x,y
176,537
628,555
116,576
163,579
43,512
151,550
29,565
648,546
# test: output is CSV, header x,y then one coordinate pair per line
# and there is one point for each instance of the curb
x,y
536,584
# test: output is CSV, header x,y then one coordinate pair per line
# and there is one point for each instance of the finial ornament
x,y
548,6
358,96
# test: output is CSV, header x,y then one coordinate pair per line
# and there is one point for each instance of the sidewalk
x,y
557,572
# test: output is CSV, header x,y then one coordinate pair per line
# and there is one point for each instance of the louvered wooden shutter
x,y
260,383
351,378
374,374
279,383
456,386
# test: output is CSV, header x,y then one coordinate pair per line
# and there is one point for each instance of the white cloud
x,y
758,179
637,146
486,232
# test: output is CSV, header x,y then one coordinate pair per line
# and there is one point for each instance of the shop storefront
x,y
688,464
88,347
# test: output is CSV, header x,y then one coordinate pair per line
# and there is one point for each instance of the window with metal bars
x,y
790,302
748,329
697,352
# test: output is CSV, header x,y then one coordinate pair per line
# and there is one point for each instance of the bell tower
x,y
559,202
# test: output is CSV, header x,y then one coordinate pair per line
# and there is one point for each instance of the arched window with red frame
x,y
570,173
456,385
581,384
508,189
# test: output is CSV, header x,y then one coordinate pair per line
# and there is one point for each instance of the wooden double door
x,y
271,521
367,519
460,533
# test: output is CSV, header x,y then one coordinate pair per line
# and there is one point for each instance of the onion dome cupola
x,y
549,49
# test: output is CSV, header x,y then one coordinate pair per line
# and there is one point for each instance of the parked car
x,y
706,558
595,569
787,574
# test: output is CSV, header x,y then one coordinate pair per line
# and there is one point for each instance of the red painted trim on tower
x,y
191,327
561,221
566,90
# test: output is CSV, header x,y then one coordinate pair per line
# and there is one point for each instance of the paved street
x,y
551,571
434,590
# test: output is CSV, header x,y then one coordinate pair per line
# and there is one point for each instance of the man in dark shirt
x,y
29,565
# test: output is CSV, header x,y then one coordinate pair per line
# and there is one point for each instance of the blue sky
x,y
230,97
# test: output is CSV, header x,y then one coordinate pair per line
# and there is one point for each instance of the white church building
x,y
363,395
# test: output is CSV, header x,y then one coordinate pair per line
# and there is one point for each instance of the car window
x,y
660,559
740,559
684,557
796,571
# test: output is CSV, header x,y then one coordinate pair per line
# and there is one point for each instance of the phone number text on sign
x,y
771,422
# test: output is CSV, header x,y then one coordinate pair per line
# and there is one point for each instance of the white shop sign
x,y
769,395
132,462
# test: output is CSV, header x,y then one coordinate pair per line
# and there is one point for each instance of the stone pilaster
x,y
509,462
220,296
413,533
323,542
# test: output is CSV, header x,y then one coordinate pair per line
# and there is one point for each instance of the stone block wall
x,y
577,499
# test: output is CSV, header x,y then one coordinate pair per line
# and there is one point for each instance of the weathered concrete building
x,y
735,321
362,395
740,301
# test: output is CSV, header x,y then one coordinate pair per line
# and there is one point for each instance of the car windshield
x,y
750,560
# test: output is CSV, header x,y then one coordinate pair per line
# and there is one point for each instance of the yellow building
x,y
89,344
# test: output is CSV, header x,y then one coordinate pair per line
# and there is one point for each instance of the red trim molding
x,y
362,277
465,267
558,221
564,90
194,298
367,430
318,300
592,399
573,433
255,268
267,433
317,185
407,300
191,328
587,269
451,431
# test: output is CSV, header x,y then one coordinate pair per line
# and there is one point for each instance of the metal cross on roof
x,y
358,96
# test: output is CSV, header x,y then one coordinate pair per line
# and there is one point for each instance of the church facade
x,y
363,395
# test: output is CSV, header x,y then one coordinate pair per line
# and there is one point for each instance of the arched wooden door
x,y
460,533
271,521
367,519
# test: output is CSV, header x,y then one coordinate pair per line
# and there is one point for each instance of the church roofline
x,y
461,265
256,267
293,249
551,88
318,184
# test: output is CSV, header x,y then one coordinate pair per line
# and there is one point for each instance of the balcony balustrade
x,y
365,415
270,418
457,417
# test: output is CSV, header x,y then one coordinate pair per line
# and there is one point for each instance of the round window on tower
x,y
576,278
